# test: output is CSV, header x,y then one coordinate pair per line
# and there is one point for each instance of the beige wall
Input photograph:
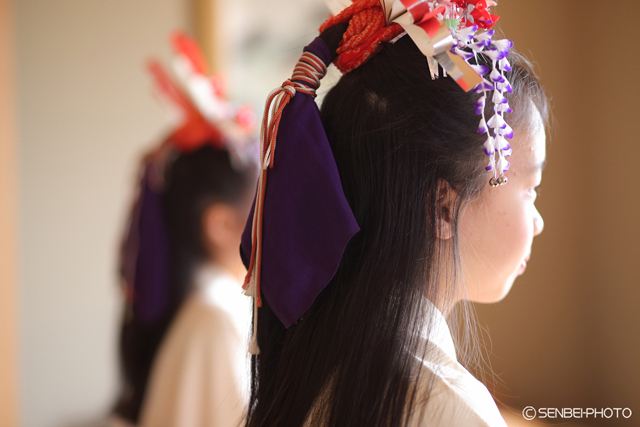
x,y
86,112
568,334
8,221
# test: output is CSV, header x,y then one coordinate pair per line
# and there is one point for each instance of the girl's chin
x,y
498,295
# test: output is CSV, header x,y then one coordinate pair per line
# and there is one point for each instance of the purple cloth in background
x,y
307,221
151,282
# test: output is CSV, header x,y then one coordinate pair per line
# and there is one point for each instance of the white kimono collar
x,y
437,331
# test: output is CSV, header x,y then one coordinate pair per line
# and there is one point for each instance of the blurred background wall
x,y
568,335
85,114
8,221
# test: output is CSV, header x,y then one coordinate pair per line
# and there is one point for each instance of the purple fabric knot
x,y
307,222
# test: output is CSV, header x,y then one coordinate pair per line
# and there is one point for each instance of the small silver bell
x,y
493,182
502,180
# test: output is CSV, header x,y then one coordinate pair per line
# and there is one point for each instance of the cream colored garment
x,y
201,374
457,398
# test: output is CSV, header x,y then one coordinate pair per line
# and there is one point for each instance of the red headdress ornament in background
x,y
198,110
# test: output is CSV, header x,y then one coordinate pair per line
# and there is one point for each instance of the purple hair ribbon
x,y
147,251
306,219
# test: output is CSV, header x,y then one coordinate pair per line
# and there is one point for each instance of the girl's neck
x,y
230,264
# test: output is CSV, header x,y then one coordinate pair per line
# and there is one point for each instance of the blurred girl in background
x,y
183,342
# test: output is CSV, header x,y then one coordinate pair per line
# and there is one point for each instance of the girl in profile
x,y
408,195
183,342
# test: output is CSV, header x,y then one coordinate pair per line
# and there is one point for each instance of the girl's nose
x,y
538,222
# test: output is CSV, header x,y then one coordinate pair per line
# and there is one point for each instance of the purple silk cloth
x,y
307,221
151,281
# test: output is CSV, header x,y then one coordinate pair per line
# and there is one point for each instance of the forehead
x,y
530,152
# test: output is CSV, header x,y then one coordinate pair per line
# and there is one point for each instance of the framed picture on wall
x,y
255,43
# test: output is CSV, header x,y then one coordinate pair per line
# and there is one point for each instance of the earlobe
x,y
444,201
444,224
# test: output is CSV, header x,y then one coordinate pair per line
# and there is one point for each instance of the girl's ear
x,y
444,206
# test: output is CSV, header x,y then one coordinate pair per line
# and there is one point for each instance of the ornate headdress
x,y
451,34
197,107
296,236
199,114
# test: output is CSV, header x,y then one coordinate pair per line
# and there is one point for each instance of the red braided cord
x,y
367,29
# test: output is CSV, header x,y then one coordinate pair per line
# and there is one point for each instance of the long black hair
x,y
397,136
193,181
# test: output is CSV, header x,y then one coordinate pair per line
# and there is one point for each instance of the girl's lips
x,y
523,265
